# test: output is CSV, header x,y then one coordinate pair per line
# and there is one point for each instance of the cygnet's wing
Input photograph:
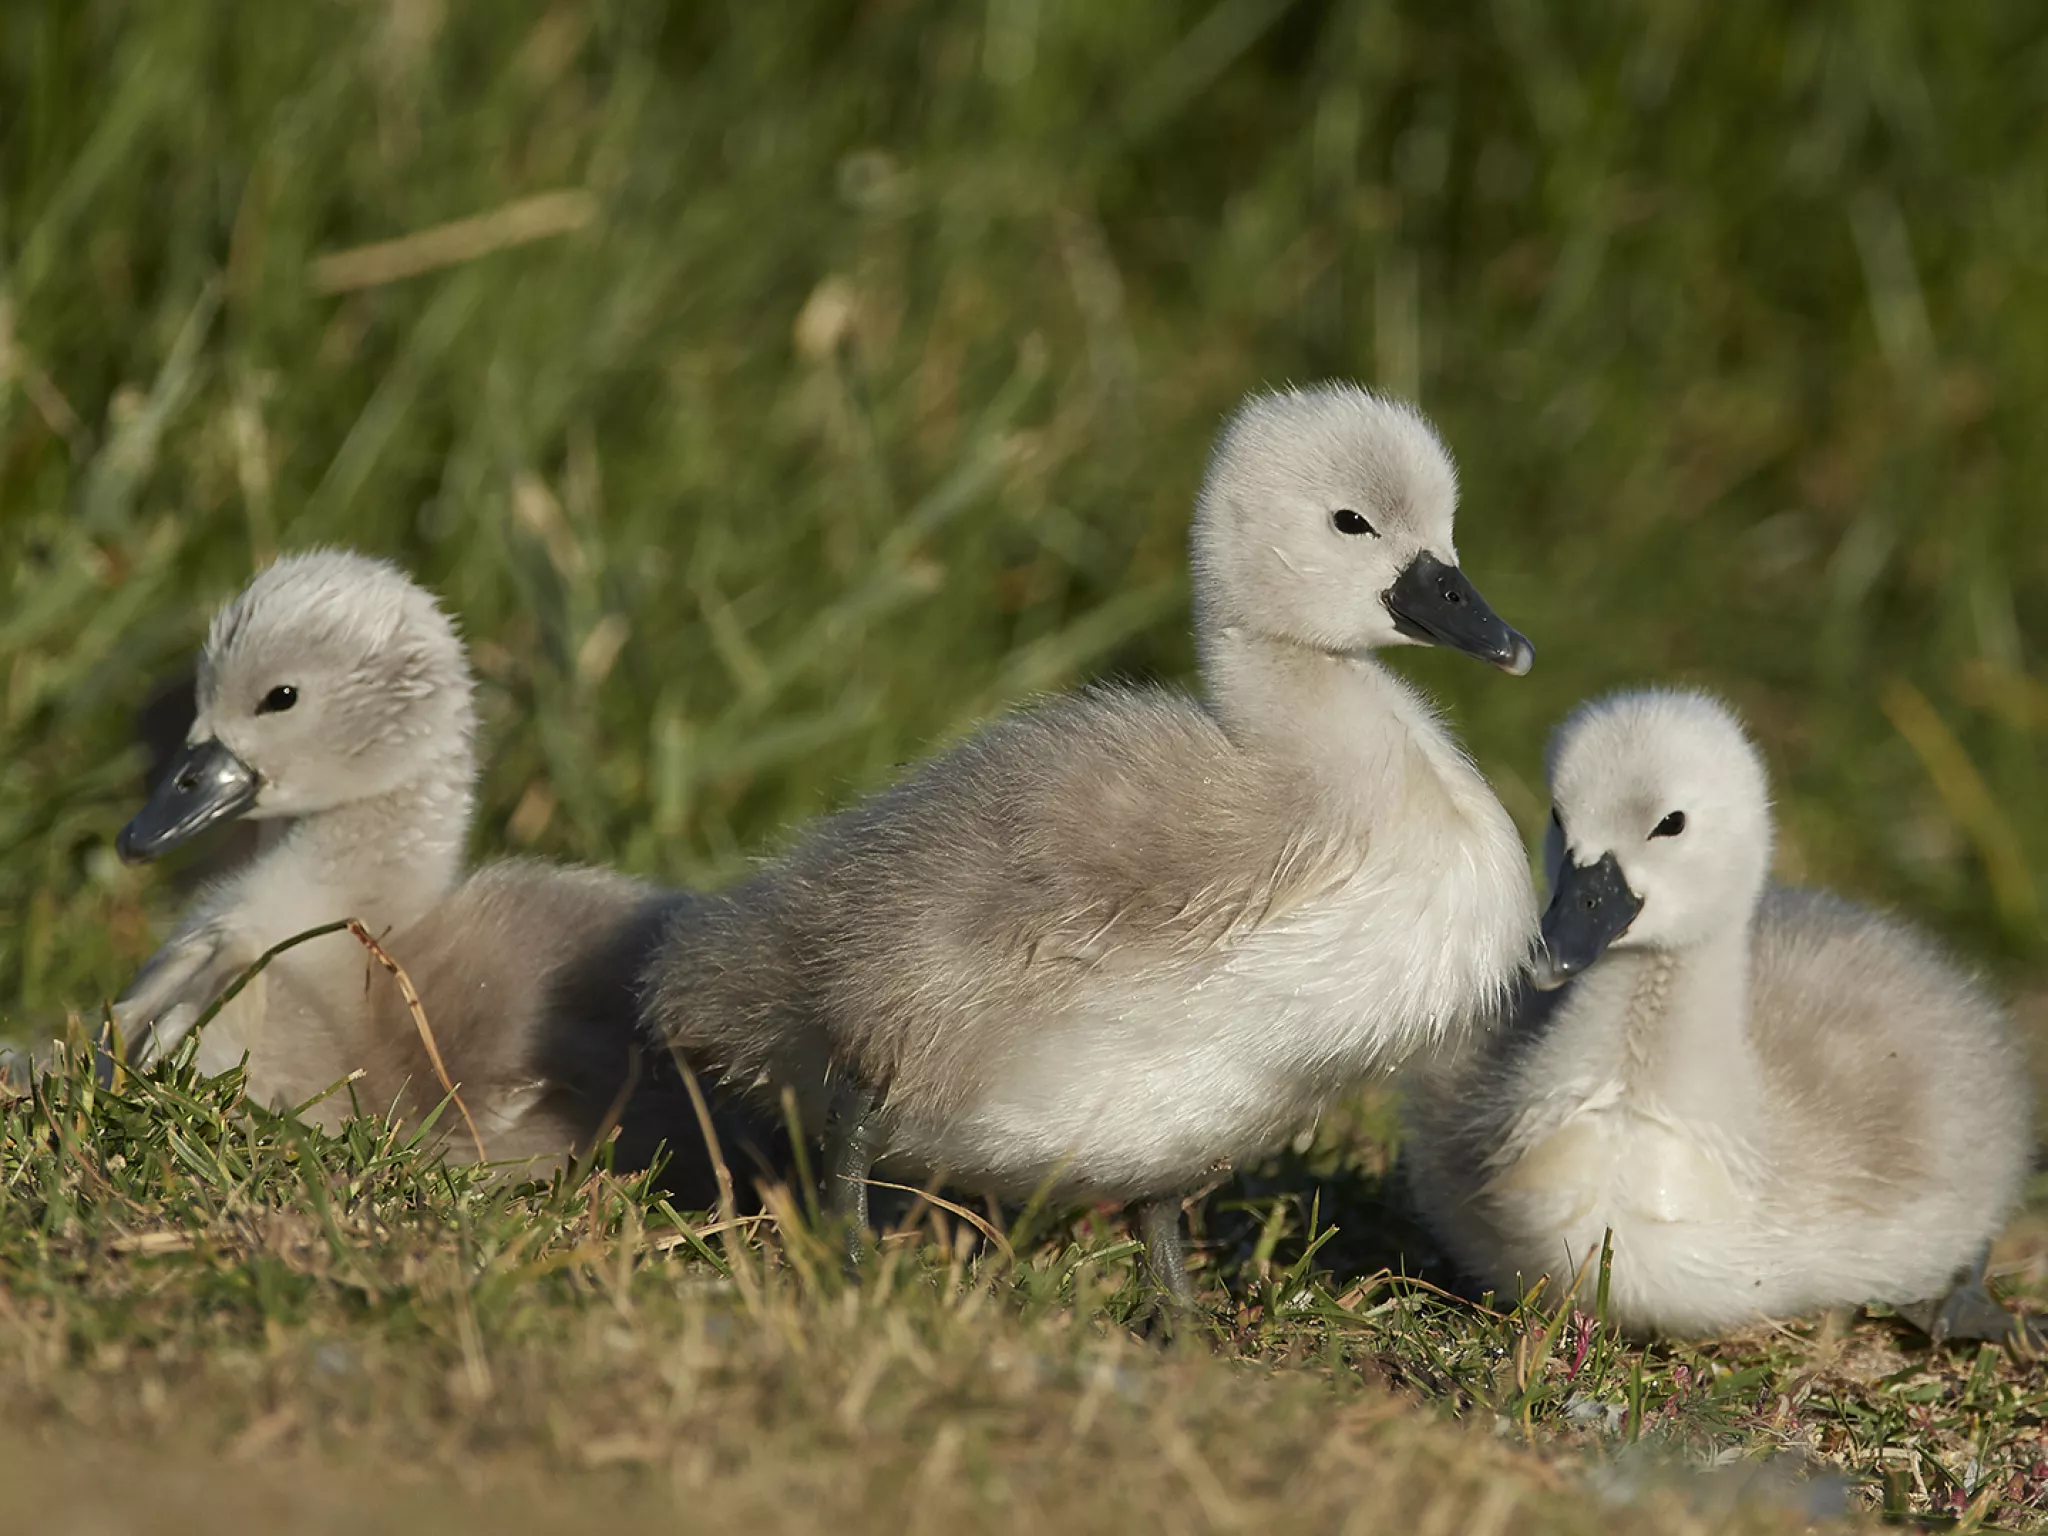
x,y
727,989
1107,821
530,977
1111,834
1897,1070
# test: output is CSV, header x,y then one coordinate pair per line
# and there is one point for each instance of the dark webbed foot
x,y
1969,1313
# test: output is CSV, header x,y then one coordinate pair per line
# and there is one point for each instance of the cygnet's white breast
x,y
1679,1195
1165,1069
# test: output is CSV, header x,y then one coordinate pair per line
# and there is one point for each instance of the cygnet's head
x,y
332,678
1660,828
1325,522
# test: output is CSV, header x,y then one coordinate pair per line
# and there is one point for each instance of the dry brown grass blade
x,y
980,1224
1367,1284
451,244
728,1205
419,1021
673,1241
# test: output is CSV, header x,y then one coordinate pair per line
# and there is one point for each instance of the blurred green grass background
x,y
865,380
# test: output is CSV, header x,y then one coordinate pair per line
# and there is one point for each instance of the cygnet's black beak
x,y
205,783
1591,908
1434,603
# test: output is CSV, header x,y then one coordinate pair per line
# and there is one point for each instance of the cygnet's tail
x,y
602,1061
725,990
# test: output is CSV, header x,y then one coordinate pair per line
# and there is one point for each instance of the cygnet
x,y
1776,1101
334,708
1113,942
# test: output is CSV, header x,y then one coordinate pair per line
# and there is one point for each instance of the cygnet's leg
x,y
1159,1222
849,1155
1970,1312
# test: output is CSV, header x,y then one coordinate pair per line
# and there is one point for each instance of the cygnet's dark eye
x,y
1670,826
282,697
1347,521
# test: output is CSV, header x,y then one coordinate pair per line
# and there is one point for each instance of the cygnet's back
x,y
1112,941
1776,1100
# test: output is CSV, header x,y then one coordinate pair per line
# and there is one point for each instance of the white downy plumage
x,y
1775,1100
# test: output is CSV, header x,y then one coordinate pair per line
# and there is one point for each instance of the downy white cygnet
x,y
1117,940
334,708
1776,1101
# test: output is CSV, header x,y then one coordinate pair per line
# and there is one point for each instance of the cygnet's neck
x,y
1347,718
1682,1021
385,859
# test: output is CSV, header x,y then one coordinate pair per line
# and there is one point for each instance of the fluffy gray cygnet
x,y
1115,941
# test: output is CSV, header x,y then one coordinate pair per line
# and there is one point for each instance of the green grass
x,y
869,397
197,1281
